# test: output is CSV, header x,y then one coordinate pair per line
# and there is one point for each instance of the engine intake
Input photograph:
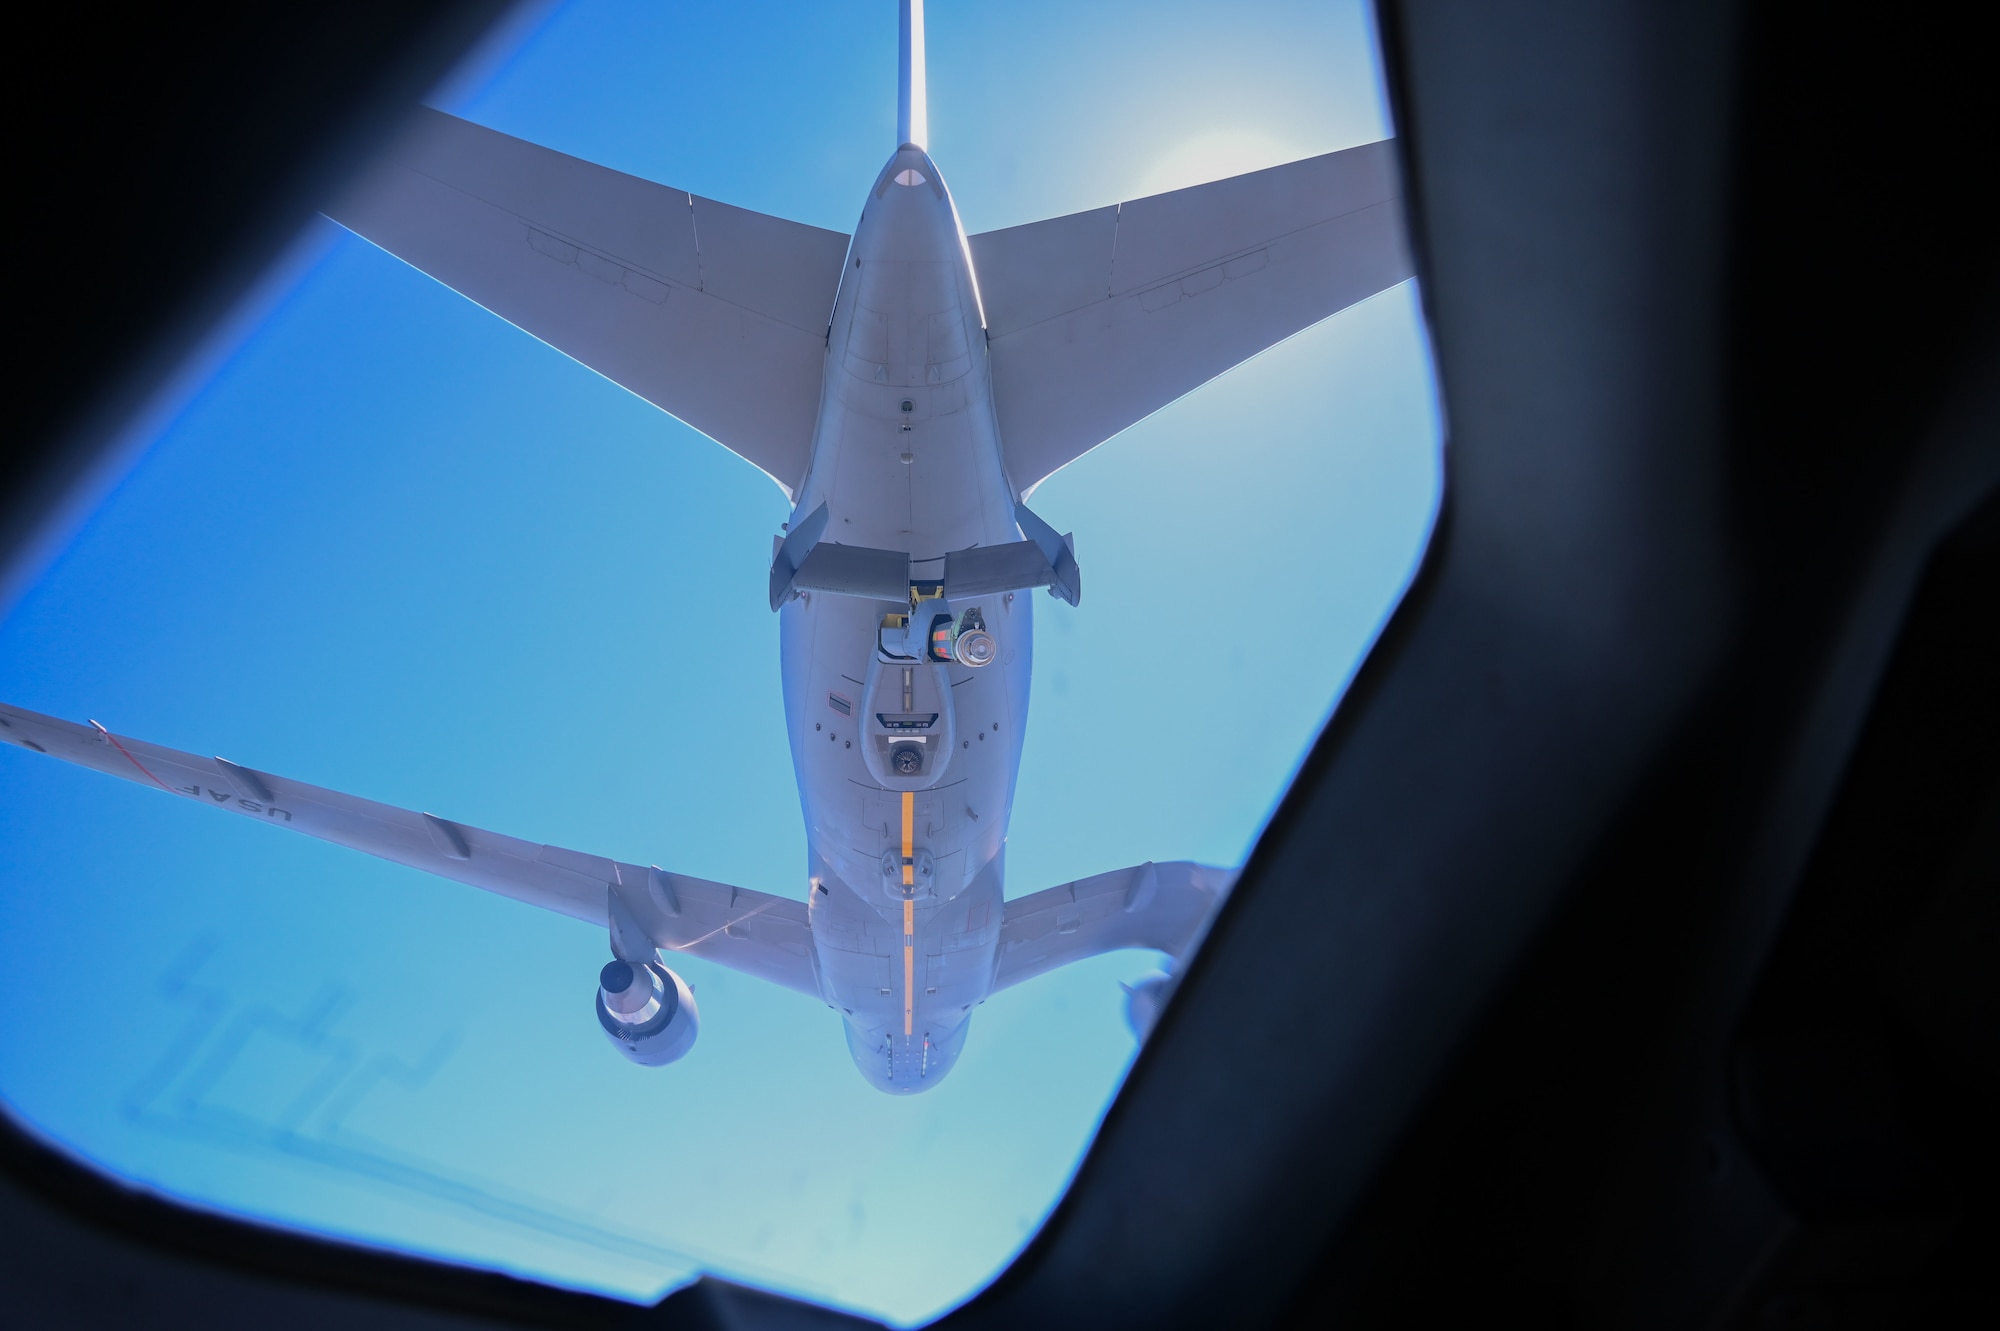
x,y
647,1011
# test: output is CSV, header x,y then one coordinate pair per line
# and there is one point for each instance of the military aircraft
x,y
908,387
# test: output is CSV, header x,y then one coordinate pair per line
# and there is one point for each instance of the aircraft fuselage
x,y
905,866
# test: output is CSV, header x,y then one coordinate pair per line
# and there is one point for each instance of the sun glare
x,y
1214,155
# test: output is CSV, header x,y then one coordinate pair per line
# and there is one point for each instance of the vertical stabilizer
x,y
912,111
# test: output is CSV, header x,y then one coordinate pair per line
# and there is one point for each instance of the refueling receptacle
x,y
923,873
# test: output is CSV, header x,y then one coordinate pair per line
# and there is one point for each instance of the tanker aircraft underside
x,y
908,412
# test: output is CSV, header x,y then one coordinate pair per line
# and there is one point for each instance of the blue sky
x,y
388,544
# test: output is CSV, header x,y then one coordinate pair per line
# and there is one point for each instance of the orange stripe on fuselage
x,y
909,963
909,911
909,838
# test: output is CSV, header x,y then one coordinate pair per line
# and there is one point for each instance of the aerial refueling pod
x,y
647,1011
969,643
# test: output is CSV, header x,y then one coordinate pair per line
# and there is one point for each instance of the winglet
x,y
913,120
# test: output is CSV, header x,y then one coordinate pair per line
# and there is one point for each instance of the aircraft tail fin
x,y
913,128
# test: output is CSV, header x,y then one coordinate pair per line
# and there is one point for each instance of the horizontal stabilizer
x,y
715,314
1099,319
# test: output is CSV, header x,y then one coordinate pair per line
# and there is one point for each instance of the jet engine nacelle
x,y
1144,998
647,1011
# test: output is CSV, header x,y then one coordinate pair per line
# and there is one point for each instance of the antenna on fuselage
x,y
913,121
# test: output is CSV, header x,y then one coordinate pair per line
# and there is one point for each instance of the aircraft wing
x,y
753,932
715,314
1099,319
1165,907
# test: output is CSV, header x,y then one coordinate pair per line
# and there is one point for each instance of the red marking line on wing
x,y
134,761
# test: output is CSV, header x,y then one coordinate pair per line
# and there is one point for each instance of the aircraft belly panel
x,y
907,458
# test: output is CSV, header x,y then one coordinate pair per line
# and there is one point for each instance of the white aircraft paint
x,y
906,752
906,457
